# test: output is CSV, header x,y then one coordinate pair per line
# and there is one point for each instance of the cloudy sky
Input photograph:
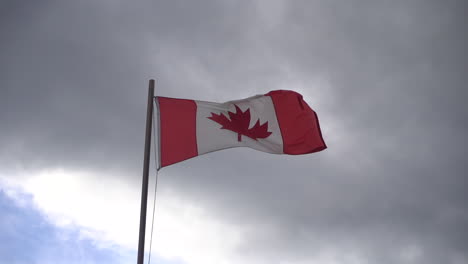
x,y
387,79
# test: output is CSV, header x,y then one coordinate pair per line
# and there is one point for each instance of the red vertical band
x,y
177,130
298,123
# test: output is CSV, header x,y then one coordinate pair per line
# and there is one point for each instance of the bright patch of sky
x,y
27,236
68,206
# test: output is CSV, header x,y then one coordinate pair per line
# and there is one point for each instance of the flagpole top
x,y
151,87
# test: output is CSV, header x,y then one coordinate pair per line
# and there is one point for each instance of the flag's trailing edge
x,y
278,122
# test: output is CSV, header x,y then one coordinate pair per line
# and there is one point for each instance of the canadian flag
x,y
278,122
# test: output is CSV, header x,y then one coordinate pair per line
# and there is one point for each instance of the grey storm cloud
x,y
391,187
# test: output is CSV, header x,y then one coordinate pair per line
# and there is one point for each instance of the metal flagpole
x,y
144,187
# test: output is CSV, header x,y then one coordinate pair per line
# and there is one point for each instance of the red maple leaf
x,y
240,122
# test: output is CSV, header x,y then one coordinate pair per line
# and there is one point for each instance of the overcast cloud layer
x,y
387,79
